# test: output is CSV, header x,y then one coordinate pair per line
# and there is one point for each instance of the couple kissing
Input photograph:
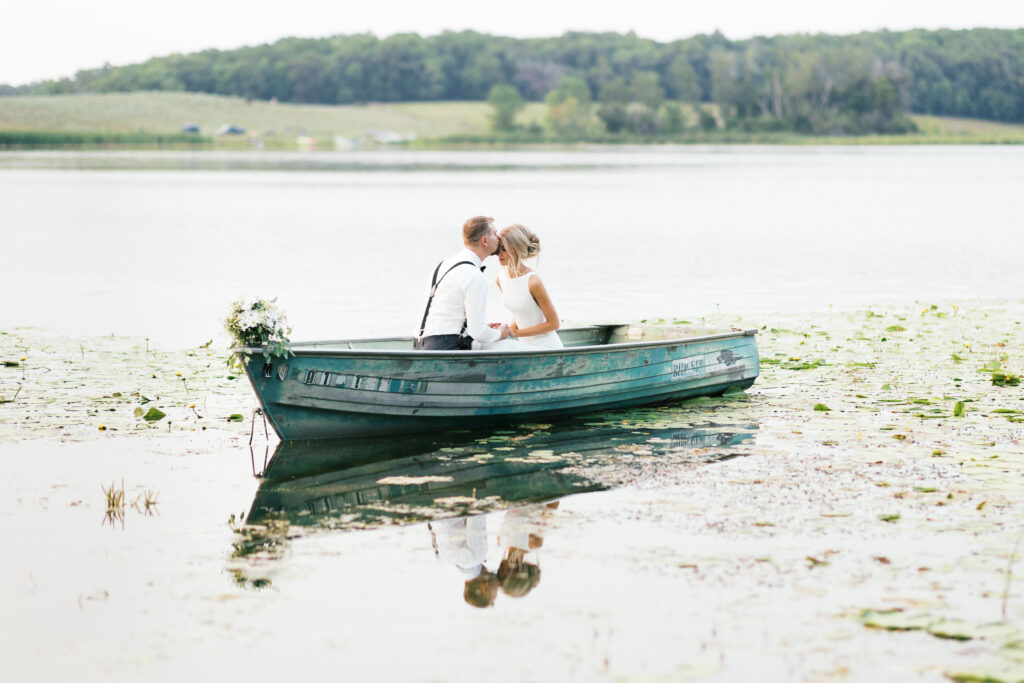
x,y
455,318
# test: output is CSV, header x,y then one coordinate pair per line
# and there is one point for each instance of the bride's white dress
x,y
515,294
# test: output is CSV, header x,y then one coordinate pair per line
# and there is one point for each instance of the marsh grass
x,y
115,496
115,503
36,139
146,502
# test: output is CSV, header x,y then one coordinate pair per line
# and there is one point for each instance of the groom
x,y
457,308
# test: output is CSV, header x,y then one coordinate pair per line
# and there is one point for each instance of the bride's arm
x,y
540,295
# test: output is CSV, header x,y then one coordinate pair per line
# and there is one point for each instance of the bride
x,y
524,295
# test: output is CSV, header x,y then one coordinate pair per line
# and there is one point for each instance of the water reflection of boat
x,y
353,483
383,387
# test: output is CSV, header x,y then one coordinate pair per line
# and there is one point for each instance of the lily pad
x,y
958,629
805,365
821,407
997,672
154,414
896,620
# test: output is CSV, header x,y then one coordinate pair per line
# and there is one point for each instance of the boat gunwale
x,y
306,348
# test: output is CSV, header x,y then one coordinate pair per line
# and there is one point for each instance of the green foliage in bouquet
x,y
257,323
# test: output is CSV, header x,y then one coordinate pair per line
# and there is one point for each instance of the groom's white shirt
x,y
462,295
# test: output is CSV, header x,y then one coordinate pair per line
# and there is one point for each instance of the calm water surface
x,y
338,573
157,244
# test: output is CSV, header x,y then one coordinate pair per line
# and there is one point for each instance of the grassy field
x,y
278,126
971,130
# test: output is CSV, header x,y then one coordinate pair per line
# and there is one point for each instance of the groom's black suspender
x,y
434,284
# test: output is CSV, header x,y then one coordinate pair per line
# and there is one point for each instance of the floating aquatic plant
x,y
1005,379
153,414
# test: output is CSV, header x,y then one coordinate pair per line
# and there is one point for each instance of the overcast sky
x,y
55,38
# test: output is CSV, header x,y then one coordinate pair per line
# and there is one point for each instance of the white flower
x,y
248,320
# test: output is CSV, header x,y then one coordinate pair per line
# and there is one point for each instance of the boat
x,y
376,387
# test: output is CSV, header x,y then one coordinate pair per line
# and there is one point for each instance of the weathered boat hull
x,y
379,387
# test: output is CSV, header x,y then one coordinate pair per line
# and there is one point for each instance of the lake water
x,y
871,469
157,244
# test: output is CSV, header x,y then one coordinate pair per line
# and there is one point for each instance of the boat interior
x,y
590,335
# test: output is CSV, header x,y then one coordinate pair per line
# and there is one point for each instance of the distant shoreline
x,y
154,120
100,141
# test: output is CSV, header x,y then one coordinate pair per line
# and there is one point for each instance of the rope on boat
x,y
266,451
252,424
252,459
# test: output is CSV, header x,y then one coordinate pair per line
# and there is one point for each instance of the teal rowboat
x,y
370,387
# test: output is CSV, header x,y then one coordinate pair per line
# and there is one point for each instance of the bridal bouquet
x,y
258,323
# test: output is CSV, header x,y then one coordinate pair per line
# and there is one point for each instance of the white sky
x,y
55,38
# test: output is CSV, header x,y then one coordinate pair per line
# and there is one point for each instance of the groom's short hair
x,y
475,228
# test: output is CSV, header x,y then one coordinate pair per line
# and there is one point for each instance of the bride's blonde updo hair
x,y
520,243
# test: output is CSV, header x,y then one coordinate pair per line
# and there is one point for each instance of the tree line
x,y
865,82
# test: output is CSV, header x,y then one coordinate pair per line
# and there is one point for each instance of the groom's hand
x,y
504,330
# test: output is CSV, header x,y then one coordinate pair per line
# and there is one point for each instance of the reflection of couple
x,y
462,541
456,314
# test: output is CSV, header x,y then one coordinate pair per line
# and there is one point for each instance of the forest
x,y
821,84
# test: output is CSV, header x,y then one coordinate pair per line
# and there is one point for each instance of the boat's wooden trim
x,y
368,340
